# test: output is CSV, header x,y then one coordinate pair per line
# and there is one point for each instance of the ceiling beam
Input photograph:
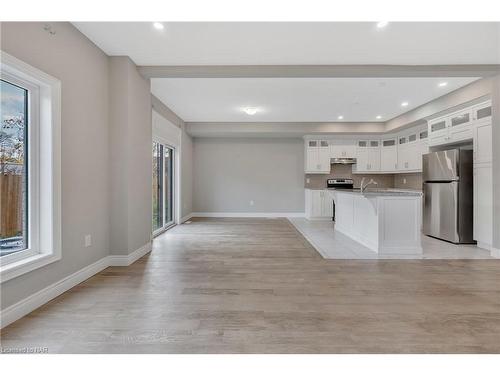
x,y
280,129
318,71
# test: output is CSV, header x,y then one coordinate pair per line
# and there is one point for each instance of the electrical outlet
x,y
252,203
88,240
308,180
404,181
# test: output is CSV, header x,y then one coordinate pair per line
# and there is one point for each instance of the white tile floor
x,y
334,245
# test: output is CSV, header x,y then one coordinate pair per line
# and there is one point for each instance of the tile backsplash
x,y
408,181
318,181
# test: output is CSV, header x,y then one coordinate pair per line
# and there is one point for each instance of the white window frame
x,y
44,168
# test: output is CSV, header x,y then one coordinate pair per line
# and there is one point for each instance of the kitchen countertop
x,y
380,192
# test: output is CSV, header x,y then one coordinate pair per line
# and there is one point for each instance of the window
x,y
13,168
29,168
163,186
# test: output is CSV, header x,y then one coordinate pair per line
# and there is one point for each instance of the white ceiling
x,y
297,99
217,43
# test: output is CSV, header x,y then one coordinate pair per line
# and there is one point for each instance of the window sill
x,y
22,266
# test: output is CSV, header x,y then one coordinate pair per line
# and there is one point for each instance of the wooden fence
x,y
11,205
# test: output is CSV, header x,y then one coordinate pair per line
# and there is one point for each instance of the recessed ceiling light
x,y
382,24
158,25
250,110
340,117
404,104
442,84
378,117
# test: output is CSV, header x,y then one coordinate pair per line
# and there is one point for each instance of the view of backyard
x,y
13,182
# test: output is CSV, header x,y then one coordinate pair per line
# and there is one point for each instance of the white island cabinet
x,y
385,221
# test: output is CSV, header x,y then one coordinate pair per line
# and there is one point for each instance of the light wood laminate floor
x,y
257,286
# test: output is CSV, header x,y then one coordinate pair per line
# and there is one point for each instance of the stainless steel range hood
x,y
343,161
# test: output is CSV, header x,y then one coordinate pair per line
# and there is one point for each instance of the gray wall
x,y
130,157
455,98
186,173
228,173
83,71
186,150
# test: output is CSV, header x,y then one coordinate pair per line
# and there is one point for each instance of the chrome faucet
x,y
371,182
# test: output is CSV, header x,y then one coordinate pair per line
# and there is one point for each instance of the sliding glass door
x,y
163,186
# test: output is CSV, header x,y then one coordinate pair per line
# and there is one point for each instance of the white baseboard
x,y
27,305
18,310
248,214
484,245
495,253
186,218
127,260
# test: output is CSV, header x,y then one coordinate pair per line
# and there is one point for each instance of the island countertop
x,y
379,192
387,221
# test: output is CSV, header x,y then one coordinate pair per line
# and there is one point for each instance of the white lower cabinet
x,y
319,204
483,205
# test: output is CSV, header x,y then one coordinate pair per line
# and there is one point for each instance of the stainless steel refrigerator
x,y
448,195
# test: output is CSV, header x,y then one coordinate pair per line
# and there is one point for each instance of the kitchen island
x,y
387,221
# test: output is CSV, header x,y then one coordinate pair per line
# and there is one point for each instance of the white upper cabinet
x,y
317,157
458,126
482,112
438,131
389,155
411,146
342,149
423,147
367,156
